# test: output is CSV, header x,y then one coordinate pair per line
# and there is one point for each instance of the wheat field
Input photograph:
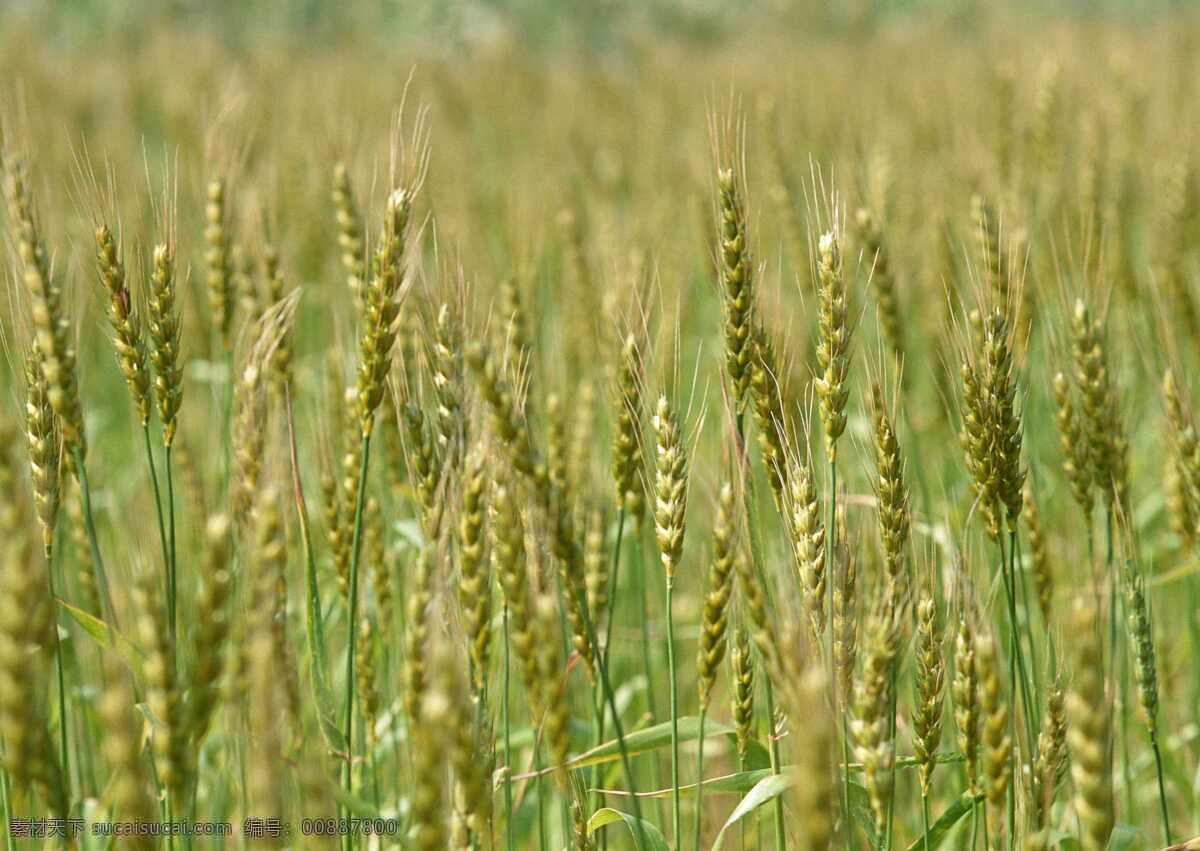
x,y
692,428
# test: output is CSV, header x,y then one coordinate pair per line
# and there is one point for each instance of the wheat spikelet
x,y
874,741
997,746
1089,732
768,412
474,585
446,360
131,352
51,326
420,596
627,433
42,440
163,328
596,572
163,694
833,347
381,307
281,357
213,629
670,487
1103,430
218,261
808,541
929,689
1050,763
1141,635
26,639
741,696
964,691
892,496
1039,559
883,280
714,618
737,283
350,238
128,791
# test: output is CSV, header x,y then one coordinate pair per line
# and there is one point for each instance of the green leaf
x,y
742,781
314,621
644,741
103,635
654,840
1124,837
941,828
766,790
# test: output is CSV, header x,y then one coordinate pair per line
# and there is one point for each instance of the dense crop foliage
x,y
457,441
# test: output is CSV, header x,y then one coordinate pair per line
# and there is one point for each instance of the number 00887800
x,y
349,826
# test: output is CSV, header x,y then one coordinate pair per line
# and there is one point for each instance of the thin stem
x,y
5,802
837,699
892,733
353,617
674,713
504,720
89,525
757,561
773,750
172,597
162,530
925,819
613,586
644,614
1006,567
541,806
610,697
1162,789
700,778
62,683
597,698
